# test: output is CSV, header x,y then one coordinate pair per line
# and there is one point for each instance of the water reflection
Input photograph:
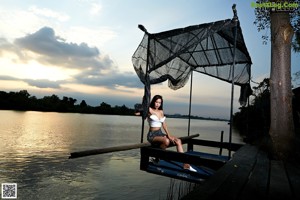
x,y
35,147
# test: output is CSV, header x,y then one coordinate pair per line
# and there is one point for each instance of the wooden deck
x,y
251,174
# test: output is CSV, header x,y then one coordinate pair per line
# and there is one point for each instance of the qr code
x,y
9,190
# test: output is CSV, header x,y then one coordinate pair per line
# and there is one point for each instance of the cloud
x,y
6,46
52,49
43,83
45,12
8,78
102,36
93,69
111,81
95,8
39,83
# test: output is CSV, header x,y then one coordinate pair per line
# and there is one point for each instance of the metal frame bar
x,y
146,79
235,20
190,104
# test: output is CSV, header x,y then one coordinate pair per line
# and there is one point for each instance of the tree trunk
x,y
282,127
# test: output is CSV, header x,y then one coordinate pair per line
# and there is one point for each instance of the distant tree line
x,y
253,121
22,100
195,117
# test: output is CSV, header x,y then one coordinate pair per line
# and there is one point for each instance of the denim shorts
x,y
152,134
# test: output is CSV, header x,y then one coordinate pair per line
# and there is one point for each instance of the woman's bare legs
x,y
178,145
180,149
162,140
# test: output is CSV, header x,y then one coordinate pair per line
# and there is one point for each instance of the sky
x,y
83,48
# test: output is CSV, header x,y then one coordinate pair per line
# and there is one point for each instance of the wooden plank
x,y
236,182
257,186
107,150
186,139
279,185
209,155
119,148
293,172
224,181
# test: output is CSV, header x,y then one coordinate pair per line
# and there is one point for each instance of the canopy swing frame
x,y
147,90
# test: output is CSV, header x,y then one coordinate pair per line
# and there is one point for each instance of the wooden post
x,y
144,159
221,140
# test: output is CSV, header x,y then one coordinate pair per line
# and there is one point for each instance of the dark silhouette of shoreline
x,y
195,117
23,101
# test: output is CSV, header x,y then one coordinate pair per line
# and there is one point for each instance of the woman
x,y
157,120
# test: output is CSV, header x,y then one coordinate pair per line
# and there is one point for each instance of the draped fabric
x,y
205,48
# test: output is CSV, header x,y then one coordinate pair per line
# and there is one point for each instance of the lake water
x,y
35,146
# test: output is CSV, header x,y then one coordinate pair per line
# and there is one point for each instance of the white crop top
x,y
154,121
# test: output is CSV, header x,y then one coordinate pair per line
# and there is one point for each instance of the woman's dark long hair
x,y
152,104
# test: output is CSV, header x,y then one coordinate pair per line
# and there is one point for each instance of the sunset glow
x,y
83,49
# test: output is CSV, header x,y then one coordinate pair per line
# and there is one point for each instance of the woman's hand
x,y
172,139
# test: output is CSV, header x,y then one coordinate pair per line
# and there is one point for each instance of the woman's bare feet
x,y
189,167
